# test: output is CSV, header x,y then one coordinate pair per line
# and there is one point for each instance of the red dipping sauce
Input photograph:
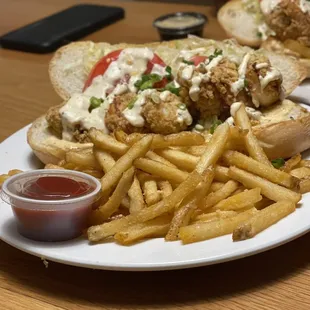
x,y
54,188
51,205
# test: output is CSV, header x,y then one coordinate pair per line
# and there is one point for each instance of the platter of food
x,y
191,149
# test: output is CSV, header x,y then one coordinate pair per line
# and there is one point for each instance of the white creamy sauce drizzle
x,y
234,108
270,76
188,54
131,62
304,6
199,127
195,89
187,72
164,95
267,6
183,116
75,112
265,31
133,115
160,70
237,86
261,65
213,63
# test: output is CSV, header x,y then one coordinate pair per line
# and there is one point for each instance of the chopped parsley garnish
x,y
188,62
246,83
171,87
147,81
259,34
215,125
216,53
131,103
169,73
278,163
94,103
182,106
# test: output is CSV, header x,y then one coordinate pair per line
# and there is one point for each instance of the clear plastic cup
x,y
50,220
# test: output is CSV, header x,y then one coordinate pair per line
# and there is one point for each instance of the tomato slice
x,y
198,59
103,64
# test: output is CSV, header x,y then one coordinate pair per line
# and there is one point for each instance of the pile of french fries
x,y
187,186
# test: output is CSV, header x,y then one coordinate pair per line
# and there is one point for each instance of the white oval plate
x,y
153,254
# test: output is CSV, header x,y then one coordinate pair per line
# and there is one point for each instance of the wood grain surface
x,y
277,279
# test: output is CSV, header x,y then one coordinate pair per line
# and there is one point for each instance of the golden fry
x,y
161,170
272,191
82,159
263,219
99,232
107,142
154,228
301,172
105,159
150,192
181,159
156,157
214,216
204,231
214,148
221,174
254,149
249,164
304,185
136,197
110,179
215,197
112,205
215,186
291,163
240,201
165,188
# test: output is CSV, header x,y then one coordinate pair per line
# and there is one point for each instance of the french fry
x,y
262,204
154,228
181,159
297,47
139,149
291,163
214,148
160,159
304,163
214,216
3,178
239,201
270,190
185,138
304,185
249,164
196,150
254,149
240,189
203,231
150,192
215,186
108,143
183,214
236,138
215,197
221,174
99,232
136,197
301,172
105,159
161,170
125,203
52,166
95,173
85,159
112,205
165,188
14,171
263,219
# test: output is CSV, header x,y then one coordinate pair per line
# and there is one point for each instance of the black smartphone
x,y
49,33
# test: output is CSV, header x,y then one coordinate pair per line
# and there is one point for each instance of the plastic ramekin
x,y
50,220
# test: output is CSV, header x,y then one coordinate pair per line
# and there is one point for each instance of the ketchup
x,y
54,188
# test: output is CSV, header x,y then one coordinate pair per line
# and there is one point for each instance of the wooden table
x,y
278,279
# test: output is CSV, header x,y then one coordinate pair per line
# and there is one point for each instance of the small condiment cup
x,y
50,220
170,26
